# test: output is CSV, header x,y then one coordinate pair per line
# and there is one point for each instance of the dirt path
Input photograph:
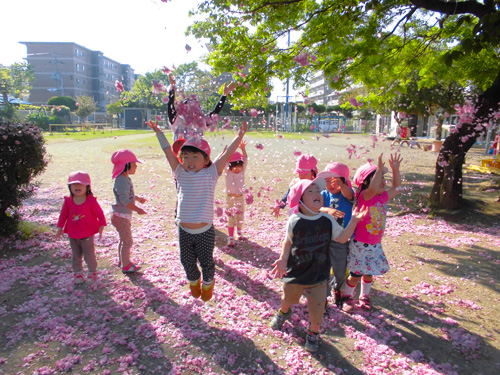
x,y
435,312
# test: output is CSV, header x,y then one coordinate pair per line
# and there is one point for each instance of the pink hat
x,y
79,178
176,146
236,157
297,190
200,144
363,172
341,169
120,159
306,163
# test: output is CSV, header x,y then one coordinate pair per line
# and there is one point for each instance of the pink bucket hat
x,y
305,163
297,190
79,178
236,157
120,159
341,170
363,172
200,144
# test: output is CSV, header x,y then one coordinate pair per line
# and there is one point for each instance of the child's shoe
x,y
79,279
312,342
364,303
348,304
230,241
279,319
195,289
131,268
240,236
337,295
206,291
92,277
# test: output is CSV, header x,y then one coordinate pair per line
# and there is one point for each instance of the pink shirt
x,y
371,228
235,182
83,220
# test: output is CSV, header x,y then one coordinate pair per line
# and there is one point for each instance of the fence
x,y
83,127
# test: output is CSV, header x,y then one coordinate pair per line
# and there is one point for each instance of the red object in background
x,y
404,133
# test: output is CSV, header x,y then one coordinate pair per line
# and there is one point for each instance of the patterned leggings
x,y
198,247
124,229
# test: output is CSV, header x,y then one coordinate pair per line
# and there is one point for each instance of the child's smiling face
x,y
78,190
312,198
193,161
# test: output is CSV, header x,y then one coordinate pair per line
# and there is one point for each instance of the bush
x,y
67,101
22,158
39,120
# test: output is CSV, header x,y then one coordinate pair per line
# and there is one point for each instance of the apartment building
x,y
320,91
69,69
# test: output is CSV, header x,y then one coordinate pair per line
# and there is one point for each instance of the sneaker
x,y
131,268
337,295
279,319
92,277
364,303
206,294
312,342
348,304
79,279
241,237
195,289
230,241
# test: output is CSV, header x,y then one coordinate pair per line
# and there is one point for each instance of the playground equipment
x,y
490,165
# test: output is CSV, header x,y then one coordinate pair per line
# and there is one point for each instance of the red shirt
x,y
81,221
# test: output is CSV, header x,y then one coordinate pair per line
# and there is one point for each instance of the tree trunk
x,y
447,190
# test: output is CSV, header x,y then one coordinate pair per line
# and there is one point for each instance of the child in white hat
x,y
81,218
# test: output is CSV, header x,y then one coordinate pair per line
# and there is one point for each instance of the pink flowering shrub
x,y
22,158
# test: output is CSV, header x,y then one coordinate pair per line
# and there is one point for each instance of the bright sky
x,y
146,34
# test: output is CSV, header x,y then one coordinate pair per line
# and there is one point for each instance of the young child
x,y
304,264
196,179
235,190
366,257
338,199
306,169
125,165
81,218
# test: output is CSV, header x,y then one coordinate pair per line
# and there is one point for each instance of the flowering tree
x,y
367,42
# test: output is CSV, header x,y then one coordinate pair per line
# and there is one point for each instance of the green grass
x,y
90,134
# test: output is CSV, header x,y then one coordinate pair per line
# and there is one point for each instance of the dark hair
x,y
88,192
365,183
314,173
194,150
127,167
233,164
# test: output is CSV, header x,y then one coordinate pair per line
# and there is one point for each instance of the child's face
x,y
237,169
193,161
333,185
309,175
78,190
312,198
133,168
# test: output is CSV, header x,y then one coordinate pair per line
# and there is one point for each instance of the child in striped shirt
x,y
196,179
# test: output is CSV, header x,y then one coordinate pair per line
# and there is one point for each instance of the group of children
x,y
329,225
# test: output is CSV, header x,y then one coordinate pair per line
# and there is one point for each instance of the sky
x,y
146,34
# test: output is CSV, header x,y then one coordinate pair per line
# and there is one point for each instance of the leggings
x,y
124,228
198,247
83,248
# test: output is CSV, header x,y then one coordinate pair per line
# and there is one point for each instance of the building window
x,y
83,68
76,52
77,67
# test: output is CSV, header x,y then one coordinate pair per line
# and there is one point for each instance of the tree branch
x,y
455,7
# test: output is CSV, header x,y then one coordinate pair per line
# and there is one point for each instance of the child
x,y
235,190
304,264
306,168
125,164
81,217
366,257
196,179
338,199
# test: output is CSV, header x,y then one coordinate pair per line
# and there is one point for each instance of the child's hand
x,y
381,163
358,215
171,79
59,233
243,144
140,211
336,183
337,214
141,200
101,228
279,268
395,161
229,88
243,129
276,211
154,126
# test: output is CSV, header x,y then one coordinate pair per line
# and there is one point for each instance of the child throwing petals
x,y
81,218
125,165
235,190
366,257
196,178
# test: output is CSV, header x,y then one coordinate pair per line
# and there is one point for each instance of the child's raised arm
x,y
374,186
172,159
223,158
395,162
357,215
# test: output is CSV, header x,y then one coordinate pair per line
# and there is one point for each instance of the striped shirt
x,y
195,194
